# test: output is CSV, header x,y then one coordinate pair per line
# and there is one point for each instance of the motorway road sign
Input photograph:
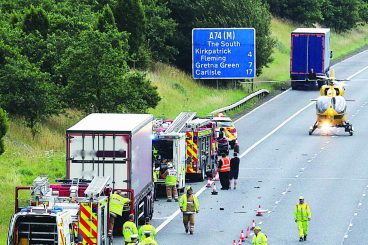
x,y
223,53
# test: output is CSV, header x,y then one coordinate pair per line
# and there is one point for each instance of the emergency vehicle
x,y
201,145
168,145
229,128
71,212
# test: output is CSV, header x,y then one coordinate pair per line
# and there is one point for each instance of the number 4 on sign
x,y
250,54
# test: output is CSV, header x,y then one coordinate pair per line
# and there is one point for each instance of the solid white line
x,y
260,106
172,216
275,129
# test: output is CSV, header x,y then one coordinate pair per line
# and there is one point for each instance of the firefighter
x,y
234,169
129,228
148,239
224,172
170,182
302,215
221,133
118,204
189,205
146,227
259,238
156,174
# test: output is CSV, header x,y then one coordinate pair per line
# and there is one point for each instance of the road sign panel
x,y
223,53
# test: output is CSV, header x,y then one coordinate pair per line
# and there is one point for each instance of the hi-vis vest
x,y
171,177
225,165
117,203
183,202
260,239
302,212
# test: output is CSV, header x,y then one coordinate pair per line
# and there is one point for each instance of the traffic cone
x,y
240,242
253,225
259,211
234,242
208,183
247,233
214,190
242,238
217,177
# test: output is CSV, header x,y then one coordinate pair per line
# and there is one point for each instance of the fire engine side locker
x,y
115,145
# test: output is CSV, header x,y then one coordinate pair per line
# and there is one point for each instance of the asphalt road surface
x,y
280,162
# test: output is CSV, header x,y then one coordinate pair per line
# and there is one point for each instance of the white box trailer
x,y
118,146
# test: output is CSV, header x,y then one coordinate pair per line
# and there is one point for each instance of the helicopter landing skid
x,y
311,130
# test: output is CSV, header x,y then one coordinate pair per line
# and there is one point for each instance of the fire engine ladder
x,y
180,121
74,186
96,187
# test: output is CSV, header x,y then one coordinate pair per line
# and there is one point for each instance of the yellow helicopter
x,y
331,106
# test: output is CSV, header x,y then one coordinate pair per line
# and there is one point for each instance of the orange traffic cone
x,y
242,238
216,177
234,242
253,225
240,242
259,211
214,190
247,233
208,183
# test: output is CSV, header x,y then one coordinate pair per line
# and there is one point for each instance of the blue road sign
x,y
223,53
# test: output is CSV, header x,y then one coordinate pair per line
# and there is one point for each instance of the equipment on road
x,y
208,183
331,107
118,146
253,225
247,233
309,57
259,211
71,212
214,189
242,237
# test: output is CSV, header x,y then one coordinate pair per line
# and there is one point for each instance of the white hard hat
x,y
170,165
301,198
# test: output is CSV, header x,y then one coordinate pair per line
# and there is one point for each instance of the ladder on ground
x,y
180,121
96,187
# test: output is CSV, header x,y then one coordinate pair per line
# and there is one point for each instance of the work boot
x,y
301,239
186,230
305,237
169,200
176,200
191,232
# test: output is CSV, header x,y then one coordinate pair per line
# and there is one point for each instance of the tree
x,y
4,126
130,17
25,90
341,15
93,67
106,19
36,20
139,94
305,12
160,30
222,13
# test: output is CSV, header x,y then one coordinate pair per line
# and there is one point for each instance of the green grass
x,y
25,158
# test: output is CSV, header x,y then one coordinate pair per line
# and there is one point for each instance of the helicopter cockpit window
x,y
323,102
339,104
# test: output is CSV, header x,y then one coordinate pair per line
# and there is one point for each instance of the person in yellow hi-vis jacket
x,y
259,237
302,215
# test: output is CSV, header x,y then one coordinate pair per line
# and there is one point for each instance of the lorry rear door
x,y
299,58
315,53
99,155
